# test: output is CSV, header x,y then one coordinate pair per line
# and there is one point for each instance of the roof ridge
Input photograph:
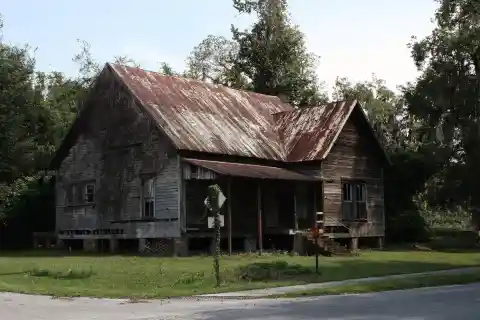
x,y
113,64
331,103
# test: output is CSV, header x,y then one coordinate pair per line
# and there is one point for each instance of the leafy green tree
x,y
213,60
35,111
20,106
446,96
383,106
166,69
272,54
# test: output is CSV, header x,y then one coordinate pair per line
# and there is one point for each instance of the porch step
x,y
329,247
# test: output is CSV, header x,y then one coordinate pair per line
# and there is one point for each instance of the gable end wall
x,y
118,145
354,156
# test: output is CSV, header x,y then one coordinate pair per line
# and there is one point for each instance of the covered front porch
x,y
265,206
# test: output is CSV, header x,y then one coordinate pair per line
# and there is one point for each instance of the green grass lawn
x,y
148,277
391,284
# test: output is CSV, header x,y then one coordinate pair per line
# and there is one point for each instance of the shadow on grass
x,y
440,244
170,281
58,275
11,273
262,271
45,273
64,253
284,272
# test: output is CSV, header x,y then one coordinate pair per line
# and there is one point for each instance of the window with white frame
x,y
354,200
148,198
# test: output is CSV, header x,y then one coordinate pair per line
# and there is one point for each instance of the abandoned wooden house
x,y
134,168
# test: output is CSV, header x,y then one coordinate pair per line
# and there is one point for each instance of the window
x,y
193,172
354,200
148,195
80,193
90,193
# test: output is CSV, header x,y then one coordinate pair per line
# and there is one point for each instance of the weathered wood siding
x,y
166,191
355,156
81,164
118,145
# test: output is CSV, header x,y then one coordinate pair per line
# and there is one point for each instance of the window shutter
x,y
347,201
347,208
362,203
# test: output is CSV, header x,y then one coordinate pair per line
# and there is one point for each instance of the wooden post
x,y
314,201
229,213
295,209
259,211
297,238
316,245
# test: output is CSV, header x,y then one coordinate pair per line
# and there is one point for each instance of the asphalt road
x,y
455,302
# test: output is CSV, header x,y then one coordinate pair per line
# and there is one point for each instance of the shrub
x,y
264,271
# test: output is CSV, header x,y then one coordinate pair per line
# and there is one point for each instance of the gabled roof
x,y
197,116
309,133
214,119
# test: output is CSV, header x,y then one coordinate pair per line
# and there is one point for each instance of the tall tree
x,y
412,163
272,54
213,61
89,68
447,94
27,140
20,106
167,70
383,106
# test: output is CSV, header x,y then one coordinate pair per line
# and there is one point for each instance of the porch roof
x,y
249,170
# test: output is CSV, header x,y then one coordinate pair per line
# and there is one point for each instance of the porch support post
x,y
229,213
381,242
354,244
259,211
295,223
297,238
113,245
314,201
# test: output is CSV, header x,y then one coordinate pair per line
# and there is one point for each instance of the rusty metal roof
x,y
209,118
249,170
203,117
309,133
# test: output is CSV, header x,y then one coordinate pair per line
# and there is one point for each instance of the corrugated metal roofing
x,y
249,170
203,117
309,133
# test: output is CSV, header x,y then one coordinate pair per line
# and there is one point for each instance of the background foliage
x,y
430,127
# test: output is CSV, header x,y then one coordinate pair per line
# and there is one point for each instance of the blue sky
x,y
353,38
